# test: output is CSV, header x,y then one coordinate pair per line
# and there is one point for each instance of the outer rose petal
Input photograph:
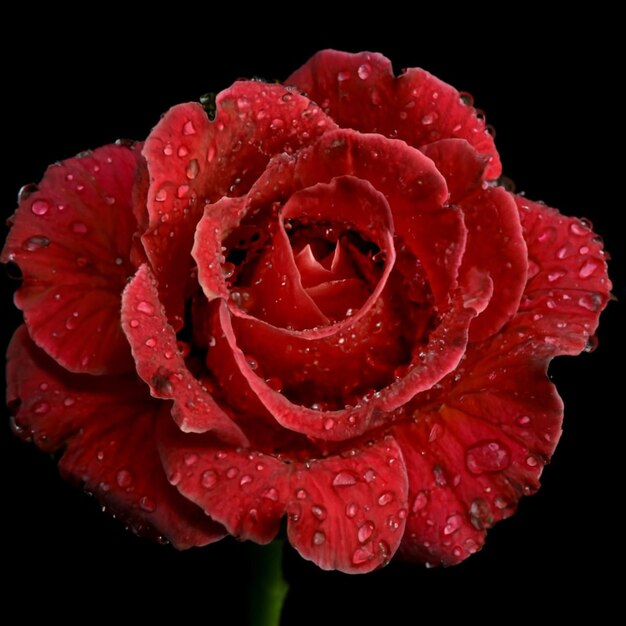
x,y
495,244
359,91
568,286
192,161
345,512
72,239
106,426
153,344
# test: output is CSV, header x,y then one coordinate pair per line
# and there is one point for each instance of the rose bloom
x,y
318,305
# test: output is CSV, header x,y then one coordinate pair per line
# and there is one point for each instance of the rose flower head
x,y
319,306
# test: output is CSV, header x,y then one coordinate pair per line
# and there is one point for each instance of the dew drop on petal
x,y
487,456
145,307
453,523
385,498
40,207
351,510
365,531
344,479
318,538
147,504
319,512
124,478
208,479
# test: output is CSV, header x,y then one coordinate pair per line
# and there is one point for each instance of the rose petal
x,y
568,286
478,444
461,165
360,91
160,365
495,245
345,513
192,160
72,237
106,427
445,347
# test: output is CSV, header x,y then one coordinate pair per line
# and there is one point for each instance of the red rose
x,y
339,316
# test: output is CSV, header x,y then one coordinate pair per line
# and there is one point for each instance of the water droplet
x,y
318,538
35,243
453,523
343,76
189,128
69,401
385,498
145,307
440,476
301,494
134,323
578,228
487,456
168,149
531,461
190,458
344,479
246,479
588,268
364,71
124,478
151,342
369,475
554,276
351,510
228,270
147,504
208,479
161,195
329,424
591,302
271,494
192,169
365,531
429,118
480,514
231,472
564,252
533,268
524,420
39,207
421,500
100,455
362,555
319,512
182,191
40,408
500,502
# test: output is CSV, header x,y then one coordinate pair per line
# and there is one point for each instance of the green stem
x,y
269,588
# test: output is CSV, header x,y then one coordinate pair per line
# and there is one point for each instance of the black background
x,y
549,90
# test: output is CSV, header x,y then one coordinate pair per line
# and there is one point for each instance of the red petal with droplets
x,y
445,347
360,91
106,427
345,512
192,160
479,444
161,366
495,245
461,165
568,286
72,237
